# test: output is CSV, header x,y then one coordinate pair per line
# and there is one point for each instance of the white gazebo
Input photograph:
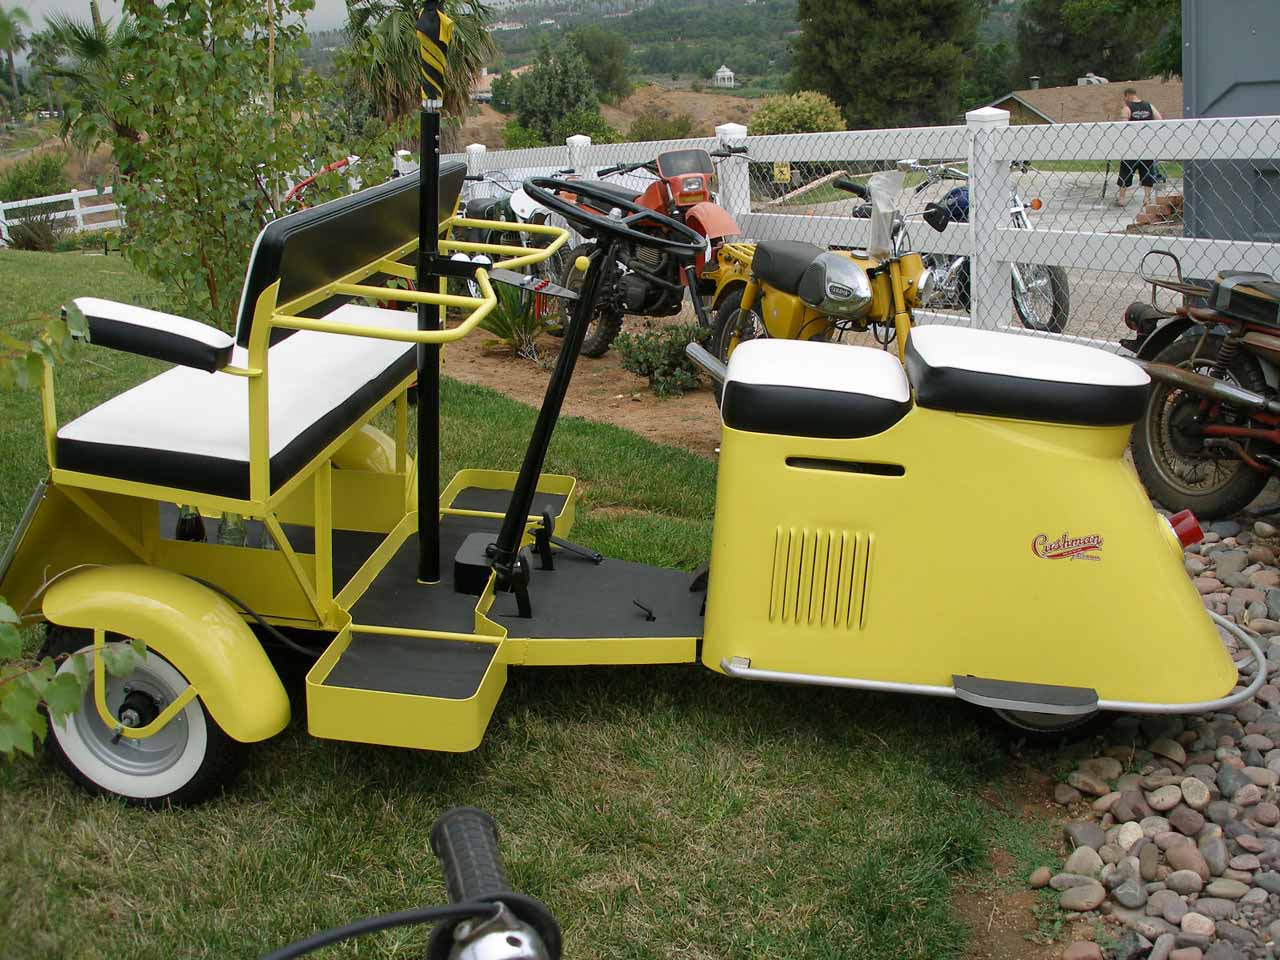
x,y
722,77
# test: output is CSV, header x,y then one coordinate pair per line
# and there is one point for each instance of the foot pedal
x,y
471,567
1029,697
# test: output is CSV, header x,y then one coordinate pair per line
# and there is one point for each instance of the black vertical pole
x,y
428,353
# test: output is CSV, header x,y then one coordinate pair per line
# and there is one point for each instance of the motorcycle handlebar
x,y
852,186
465,840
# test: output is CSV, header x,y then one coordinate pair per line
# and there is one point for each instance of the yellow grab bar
x,y
524,256
482,307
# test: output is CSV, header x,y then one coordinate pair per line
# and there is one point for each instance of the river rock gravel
x,y
1172,839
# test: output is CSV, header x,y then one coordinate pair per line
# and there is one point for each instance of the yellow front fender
x,y
189,625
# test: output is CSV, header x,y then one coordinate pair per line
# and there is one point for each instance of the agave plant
x,y
515,321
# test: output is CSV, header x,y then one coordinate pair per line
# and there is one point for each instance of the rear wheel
x,y
604,325
188,760
1169,452
1053,726
1045,299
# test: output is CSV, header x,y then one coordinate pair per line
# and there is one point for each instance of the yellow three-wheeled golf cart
x,y
865,509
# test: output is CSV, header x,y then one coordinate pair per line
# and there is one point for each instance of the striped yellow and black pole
x,y
435,30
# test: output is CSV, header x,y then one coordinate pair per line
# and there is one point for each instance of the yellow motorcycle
x,y
791,290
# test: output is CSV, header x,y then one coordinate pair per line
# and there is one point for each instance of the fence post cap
x,y
475,148
578,140
987,117
731,131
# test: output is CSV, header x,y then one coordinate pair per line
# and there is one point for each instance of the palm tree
x,y
384,51
45,51
93,51
12,40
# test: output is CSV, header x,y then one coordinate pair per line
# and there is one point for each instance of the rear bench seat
x,y
189,427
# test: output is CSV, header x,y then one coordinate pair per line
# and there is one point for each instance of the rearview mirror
x,y
936,216
906,166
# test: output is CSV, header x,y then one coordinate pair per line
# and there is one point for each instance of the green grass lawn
x,y
660,812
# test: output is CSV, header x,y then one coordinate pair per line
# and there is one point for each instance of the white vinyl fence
x,y
1215,198
82,206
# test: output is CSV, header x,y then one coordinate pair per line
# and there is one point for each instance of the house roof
x,y
723,69
485,84
1095,103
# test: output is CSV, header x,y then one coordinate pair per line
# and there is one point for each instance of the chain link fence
x,y
1043,236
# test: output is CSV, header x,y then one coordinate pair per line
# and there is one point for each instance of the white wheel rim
x,y
156,766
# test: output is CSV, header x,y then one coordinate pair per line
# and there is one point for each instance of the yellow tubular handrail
x,y
483,306
524,257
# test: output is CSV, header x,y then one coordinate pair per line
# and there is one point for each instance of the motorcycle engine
x,y
637,293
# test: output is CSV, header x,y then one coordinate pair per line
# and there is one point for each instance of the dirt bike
x,y
793,290
645,281
1209,438
1041,295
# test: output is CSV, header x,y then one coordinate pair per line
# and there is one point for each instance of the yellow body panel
x,y
190,626
919,577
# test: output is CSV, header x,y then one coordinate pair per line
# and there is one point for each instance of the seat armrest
x,y
150,333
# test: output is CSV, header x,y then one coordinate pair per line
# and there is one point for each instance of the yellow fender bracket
x,y
189,625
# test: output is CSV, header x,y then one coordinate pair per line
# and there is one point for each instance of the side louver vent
x,y
820,577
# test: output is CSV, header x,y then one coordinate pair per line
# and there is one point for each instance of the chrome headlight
x,y
836,286
924,286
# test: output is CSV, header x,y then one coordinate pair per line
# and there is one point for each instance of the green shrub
x,y
655,124
805,112
516,137
584,122
40,176
658,354
37,231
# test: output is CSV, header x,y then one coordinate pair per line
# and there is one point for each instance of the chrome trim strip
x,y
1205,706
741,668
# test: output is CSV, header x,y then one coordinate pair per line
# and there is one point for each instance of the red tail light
x,y
1186,528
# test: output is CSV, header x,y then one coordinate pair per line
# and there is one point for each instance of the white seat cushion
x,y
189,429
1023,377
802,388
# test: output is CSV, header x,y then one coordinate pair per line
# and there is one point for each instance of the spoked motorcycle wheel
x,y
1169,452
733,326
1045,300
186,761
604,325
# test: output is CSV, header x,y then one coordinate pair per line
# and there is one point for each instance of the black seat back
x,y
311,249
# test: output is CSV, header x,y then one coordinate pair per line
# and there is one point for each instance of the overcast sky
x,y
327,13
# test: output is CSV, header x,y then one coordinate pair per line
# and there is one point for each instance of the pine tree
x,y
887,63
1060,40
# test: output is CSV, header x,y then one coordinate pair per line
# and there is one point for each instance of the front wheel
x,y
604,325
1044,299
1168,448
188,760
1047,727
733,326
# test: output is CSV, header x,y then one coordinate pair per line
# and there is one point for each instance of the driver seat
x,y
613,188
781,263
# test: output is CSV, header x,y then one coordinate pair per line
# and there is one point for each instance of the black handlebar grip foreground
x,y
466,841
852,186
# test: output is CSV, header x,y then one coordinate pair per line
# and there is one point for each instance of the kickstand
x,y
544,535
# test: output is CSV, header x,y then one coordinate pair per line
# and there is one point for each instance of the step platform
x,y
423,665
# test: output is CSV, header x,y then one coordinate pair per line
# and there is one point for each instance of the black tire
x,y
201,771
605,325
1056,301
1160,450
728,330
1047,728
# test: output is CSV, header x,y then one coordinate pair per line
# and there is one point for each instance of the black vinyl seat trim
x,y
623,192
310,249
222,476
1023,398
807,411
781,263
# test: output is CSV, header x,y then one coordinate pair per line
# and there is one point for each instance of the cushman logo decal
x,y
1067,548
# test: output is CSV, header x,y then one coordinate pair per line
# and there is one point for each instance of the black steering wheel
x,y
547,191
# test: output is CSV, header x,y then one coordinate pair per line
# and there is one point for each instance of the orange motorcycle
x,y
647,281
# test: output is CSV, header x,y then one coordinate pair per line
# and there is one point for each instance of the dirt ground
x,y
706,109
601,391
